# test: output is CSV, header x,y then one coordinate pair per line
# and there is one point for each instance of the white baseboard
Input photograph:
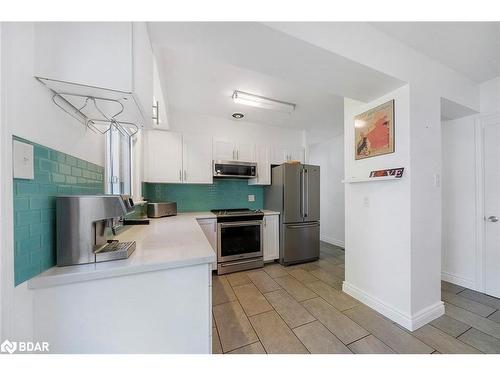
x,y
451,278
333,241
411,323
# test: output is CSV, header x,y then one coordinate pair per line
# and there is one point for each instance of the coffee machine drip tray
x,y
114,250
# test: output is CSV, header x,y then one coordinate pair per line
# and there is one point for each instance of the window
x,y
118,163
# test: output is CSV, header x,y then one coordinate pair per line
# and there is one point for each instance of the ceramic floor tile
x,y
327,277
275,270
481,298
495,317
319,340
310,266
339,300
216,347
292,312
263,281
255,348
295,288
443,342
449,325
396,338
485,325
252,301
233,326
302,275
238,278
370,345
339,324
451,288
275,335
221,291
481,341
332,269
467,304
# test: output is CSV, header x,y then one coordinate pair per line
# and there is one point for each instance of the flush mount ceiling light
x,y
245,98
238,115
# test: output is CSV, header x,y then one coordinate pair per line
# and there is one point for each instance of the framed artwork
x,y
374,132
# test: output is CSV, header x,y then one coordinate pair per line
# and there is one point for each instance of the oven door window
x,y
237,240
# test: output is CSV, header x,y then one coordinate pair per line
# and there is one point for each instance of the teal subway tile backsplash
x,y
56,173
221,194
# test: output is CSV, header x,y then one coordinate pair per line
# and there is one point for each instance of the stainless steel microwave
x,y
234,169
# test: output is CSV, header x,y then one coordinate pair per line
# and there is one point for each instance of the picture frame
x,y
374,132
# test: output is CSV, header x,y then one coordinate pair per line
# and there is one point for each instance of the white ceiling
x,y
470,48
201,85
202,63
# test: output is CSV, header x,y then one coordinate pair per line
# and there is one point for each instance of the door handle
x,y
492,219
180,175
185,176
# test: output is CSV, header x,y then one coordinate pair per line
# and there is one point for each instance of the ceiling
x,y
470,48
202,63
207,88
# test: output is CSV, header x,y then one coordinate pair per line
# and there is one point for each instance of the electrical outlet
x,y
251,198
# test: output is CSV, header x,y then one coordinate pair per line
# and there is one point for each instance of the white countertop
x,y
169,242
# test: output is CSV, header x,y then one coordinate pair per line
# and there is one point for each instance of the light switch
x,y
251,198
23,161
366,201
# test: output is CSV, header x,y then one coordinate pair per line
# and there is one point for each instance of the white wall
x,y
461,218
329,155
459,201
28,112
233,129
490,96
377,215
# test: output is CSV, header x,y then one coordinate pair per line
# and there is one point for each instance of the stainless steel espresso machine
x,y
85,224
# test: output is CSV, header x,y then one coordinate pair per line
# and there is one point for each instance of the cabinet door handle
x,y
237,154
185,175
180,175
265,222
233,155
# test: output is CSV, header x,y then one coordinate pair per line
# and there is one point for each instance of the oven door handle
x,y
240,224
233,263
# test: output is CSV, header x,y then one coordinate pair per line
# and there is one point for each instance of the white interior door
x,y
197,160
492,207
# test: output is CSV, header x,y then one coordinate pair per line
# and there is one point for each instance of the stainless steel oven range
x,y
239,240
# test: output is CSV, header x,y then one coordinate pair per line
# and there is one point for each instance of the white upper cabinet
x,y
160,119
262,155
225,149
245,152
281,154
102,59
142,74
197,159
163,156
172,157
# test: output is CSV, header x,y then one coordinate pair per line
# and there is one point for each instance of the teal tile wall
x,y
220,194
56,173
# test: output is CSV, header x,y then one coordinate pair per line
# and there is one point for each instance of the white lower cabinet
x,y
271,237
209,227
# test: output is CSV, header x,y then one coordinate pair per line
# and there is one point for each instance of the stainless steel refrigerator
x,y
294,192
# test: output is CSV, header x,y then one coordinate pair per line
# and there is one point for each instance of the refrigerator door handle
x,y
303,194
306,193
297,226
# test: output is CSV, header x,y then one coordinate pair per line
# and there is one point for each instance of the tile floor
x,y
301,309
